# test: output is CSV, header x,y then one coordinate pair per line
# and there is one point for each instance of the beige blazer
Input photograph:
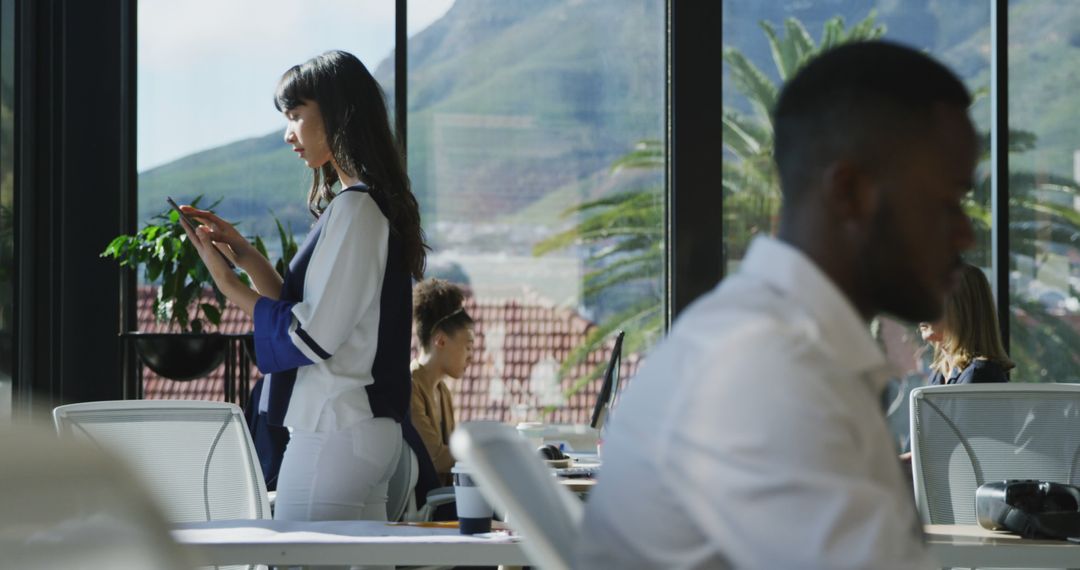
x,y
435,423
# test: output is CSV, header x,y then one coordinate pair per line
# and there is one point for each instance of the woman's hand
x,y
218,259
223,236
218,255
239,251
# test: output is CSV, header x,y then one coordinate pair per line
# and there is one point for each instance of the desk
x,y
288,543
580,485
372,542
972,546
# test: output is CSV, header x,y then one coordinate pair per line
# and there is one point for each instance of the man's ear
x,y
850,195
438,339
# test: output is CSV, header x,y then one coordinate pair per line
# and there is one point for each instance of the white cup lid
x,y
460,467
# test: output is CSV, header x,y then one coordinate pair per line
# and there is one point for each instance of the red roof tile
x,y
504,382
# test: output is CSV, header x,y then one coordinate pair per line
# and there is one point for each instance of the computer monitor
x,y
609,390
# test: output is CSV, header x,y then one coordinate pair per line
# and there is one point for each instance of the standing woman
x,y
967,340
335,334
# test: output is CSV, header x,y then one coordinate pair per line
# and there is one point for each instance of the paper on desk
x,y
270,531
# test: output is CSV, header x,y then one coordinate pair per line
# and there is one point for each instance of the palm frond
x,y
751,82
783,55
802,43
646,154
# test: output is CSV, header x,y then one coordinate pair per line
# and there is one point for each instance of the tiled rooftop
x,y
519,346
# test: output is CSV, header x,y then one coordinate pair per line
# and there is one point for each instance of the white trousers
x,y
338,474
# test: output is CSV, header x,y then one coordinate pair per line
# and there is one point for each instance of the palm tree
x,y
624,232
749,180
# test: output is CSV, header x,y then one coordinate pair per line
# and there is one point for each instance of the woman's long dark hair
x,y
358,131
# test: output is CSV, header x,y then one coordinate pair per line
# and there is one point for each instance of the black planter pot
x,y
180,356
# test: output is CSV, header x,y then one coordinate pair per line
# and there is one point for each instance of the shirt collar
x,y
842,331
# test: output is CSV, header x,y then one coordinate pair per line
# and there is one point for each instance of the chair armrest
x,y
435,499
440,496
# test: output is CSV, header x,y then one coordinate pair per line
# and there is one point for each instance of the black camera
x,y
1030,508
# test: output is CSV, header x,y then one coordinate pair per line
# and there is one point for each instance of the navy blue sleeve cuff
x,y
274,348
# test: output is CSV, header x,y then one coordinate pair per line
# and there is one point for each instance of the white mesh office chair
x,y
402,482
965,435
65,504
196,457
513,478
401,495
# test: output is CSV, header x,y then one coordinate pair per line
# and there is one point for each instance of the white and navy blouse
x,y
337,341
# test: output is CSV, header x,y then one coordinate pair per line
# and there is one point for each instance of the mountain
x,y
512,105
508,102
924,24
253,176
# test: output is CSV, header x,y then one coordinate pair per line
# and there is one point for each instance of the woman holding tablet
x,y
334,335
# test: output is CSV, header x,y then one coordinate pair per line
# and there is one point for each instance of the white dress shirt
x,y
753,437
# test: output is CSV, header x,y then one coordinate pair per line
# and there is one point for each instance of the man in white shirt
x,y
753,436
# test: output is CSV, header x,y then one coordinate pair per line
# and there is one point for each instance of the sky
x,y
207,68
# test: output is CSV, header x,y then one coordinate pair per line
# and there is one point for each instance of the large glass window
x,y
206,120
1044,190
535,149
535,144
772,39
207,125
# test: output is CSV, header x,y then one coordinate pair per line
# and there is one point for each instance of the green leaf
x,y
115,247
212,313
260,246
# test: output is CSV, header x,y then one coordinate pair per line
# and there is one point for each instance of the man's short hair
x,y
857,101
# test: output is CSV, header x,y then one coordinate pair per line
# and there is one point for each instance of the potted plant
x,y
169,260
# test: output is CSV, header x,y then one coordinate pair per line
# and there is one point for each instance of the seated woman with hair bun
x,y
967,341
445,332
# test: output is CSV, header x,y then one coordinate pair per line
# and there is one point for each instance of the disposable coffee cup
x,y
474,512
533,432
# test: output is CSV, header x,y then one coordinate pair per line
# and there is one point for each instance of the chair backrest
x,y
196,457
66,504
965,435
402,484
517,483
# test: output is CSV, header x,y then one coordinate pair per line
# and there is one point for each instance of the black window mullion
x,y
999,155
401,73
695,121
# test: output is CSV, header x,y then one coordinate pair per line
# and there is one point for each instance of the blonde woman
x,y
967,342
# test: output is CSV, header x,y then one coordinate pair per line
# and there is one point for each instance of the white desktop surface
x,y
373,542
342,542
973,546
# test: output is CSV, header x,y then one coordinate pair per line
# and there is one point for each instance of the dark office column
x,y
74,185
695,228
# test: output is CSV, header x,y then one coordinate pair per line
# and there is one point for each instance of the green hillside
x,y
521,98
254,176
513,104
1044,83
